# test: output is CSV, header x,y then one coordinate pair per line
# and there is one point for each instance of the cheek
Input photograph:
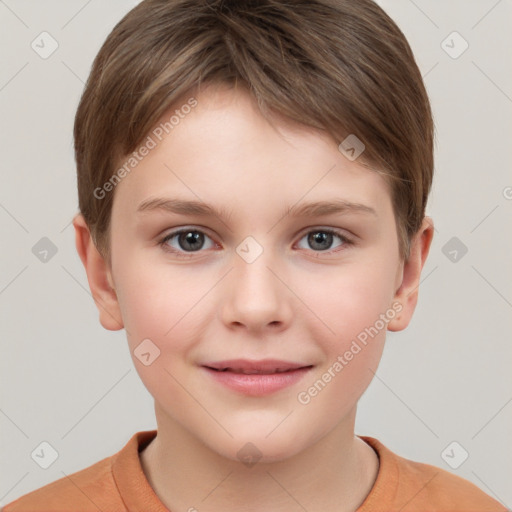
x,y
155,300
157,305
355,310
352,300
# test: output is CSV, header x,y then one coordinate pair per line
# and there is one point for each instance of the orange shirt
x,y
118,484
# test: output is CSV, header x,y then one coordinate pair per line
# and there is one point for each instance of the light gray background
x,y
66,381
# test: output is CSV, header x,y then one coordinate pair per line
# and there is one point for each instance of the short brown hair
x,y
342,66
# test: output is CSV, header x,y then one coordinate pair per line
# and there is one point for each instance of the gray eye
x,y
321,240
187,240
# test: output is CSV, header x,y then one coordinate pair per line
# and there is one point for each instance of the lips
x,y
256,378
262,367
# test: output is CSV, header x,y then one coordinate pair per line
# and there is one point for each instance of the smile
x,y
254,371
256,378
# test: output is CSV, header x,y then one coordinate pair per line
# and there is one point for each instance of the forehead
x,y
224,151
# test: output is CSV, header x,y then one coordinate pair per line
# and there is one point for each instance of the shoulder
x,y
415,486
439,488
88,490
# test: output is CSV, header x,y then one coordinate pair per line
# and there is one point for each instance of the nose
x,y
256,296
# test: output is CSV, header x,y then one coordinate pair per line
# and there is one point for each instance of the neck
x,y
334,474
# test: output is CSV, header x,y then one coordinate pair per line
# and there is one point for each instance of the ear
x,y
99,276
409,276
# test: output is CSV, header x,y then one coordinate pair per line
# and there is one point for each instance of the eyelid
x,y
344,233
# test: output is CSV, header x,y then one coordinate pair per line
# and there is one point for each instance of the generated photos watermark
x,y
151,142
356,346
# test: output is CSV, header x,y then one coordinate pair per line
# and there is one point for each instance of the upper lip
x,y
259,366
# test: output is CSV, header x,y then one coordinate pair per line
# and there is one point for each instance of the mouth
x,y
263,367
256,378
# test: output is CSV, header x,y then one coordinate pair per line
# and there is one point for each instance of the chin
x,y
251,447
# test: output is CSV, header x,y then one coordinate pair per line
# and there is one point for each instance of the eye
x,y
187,241
321,239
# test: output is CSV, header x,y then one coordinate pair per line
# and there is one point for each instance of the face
x,y
268,321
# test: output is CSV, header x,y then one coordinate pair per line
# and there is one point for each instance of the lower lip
x,y
257,384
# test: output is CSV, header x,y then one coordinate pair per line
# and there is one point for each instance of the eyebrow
x,y
198,208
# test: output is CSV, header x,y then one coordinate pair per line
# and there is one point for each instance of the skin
x,y
294,302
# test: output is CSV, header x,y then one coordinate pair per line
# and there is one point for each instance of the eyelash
x,y
347,242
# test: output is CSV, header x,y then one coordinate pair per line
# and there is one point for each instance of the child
x,y
258,131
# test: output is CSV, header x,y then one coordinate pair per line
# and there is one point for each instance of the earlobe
x,y
407,293
99,277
